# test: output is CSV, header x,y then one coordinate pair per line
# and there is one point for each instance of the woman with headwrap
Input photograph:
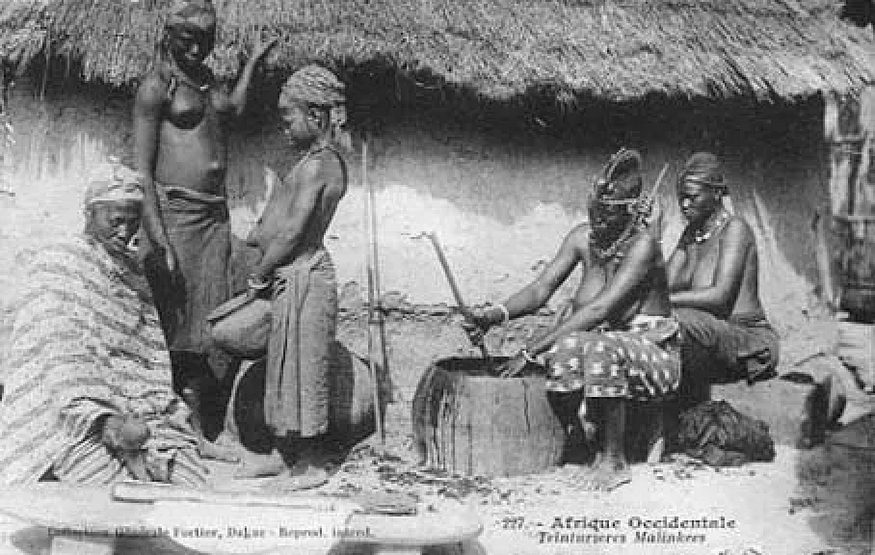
x,y
88,395
297,273
181,151
619,342
713,279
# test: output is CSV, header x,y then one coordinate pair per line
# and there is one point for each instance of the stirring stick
x,y
463,308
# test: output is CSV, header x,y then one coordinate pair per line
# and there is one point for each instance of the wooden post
x,y
376,324
849,128
842,132
824,259
865,175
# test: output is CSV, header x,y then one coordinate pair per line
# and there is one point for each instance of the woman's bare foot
x,y
301,476
656,450
257,465
608,472
219,451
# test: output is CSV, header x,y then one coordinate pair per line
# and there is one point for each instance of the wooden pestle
x,y
463,308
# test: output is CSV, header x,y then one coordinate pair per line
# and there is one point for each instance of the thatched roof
x,y
23,27
614,49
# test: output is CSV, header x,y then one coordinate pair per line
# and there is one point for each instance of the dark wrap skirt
x,y
199,230
299,350
742,347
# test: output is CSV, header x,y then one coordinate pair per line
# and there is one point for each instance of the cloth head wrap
x,y
112,182
194,13
315,85
704,168
620,182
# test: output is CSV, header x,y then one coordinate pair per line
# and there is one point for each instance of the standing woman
x,y
297,273
180,118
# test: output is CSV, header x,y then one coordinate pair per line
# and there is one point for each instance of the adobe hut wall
x,y
500,183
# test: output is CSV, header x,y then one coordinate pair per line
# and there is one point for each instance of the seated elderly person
x,y
714,288
88,395
619,342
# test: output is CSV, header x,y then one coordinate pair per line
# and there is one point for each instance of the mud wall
x,y
500,185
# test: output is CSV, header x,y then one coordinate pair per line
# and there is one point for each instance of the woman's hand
x,y
654,217
128,433
258,286
514,366
170,259
147,249
518,363
477,323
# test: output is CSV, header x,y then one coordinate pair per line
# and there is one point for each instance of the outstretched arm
x,y
720,295
148,113
631,274
534,295
537,293
241,89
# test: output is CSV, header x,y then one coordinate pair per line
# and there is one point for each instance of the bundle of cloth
x,y
719,435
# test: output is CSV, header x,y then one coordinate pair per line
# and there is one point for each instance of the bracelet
x,y
528,356
505,313
256,283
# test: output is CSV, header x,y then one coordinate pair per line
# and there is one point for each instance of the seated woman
x,y
88,395
620,342
714,288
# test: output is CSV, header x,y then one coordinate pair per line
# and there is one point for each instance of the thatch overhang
x,y
613,49
23,30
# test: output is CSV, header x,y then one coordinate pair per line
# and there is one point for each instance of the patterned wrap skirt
x,y
641,362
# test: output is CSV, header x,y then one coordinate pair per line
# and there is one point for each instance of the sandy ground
x,y
804,502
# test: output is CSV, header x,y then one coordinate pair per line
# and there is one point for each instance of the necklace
x,y
701,236
314,149
613,250
186,79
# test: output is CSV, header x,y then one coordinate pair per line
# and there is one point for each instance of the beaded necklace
x,y
179,76
315,148
613,250
700,237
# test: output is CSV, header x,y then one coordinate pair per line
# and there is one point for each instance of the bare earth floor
x,y
818,501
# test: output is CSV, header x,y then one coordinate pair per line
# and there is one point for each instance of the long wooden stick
x,y
154,492
151,492
454,287
376,332
658,182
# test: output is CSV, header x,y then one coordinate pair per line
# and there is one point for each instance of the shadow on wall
x,y
497,164
500,182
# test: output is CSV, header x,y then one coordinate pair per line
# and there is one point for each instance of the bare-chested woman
x,y
180,118
619,343
714,284
298,274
